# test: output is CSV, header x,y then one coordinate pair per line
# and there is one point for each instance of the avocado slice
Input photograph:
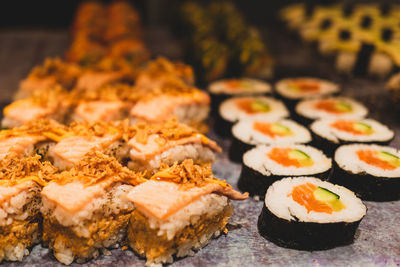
x,y
303,158
281,129
389,157
343,107
260,106
362,127
323,194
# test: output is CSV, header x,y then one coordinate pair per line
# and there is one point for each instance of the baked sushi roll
x,y
329,134
92,80
174,98
53,103
329,108
84,138
165,143
237,108
85,210
20,222
309,214
178,212
248,133
371,171
294,89
264,165
224,89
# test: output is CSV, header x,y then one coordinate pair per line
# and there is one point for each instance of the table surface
x,y
377,240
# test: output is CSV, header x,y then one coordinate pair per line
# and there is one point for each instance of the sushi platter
x,y
301,169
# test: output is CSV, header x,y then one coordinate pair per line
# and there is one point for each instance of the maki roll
x,y
371,171
20,184
178,211
85,210
329,108
309,214
234,109
249,133
223,89
294,89
329,134
264,165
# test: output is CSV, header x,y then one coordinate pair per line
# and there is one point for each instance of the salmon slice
x,y
18,145
92,80
161,200
24,110
99,111
304,195
7,192
306,86
370,157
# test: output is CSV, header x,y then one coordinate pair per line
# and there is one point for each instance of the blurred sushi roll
x,y
306,213
173,99
236,108
178,211
223,89
84,138
294,89
85,210
51,73
53,103
94,79
329,134
371,171
20,202
248,133
165,143
264,165
329,108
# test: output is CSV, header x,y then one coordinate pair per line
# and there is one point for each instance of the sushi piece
x,y
84,138
189,104
44,77
20,222
223,89
237,108
329,134
294,89
92,80
165,143
178,211
309,214
85,210
53,104
264,165
106,111
248,133
329,108
371,171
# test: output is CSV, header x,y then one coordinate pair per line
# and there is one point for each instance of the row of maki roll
x,y
264,165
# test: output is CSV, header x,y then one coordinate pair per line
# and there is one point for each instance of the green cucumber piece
x,y
344,107
260,106
386,156
299,155
279,128
362,127
325,195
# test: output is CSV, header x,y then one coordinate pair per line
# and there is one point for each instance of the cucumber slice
x,y
344,107
298,154
362,127
259,106
383,155
281,129
325,195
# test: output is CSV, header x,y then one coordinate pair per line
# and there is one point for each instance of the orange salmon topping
x,y
347,126
233,84
329,106
371,157
282,156
305,85
304,195
265,128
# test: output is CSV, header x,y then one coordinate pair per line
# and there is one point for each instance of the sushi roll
x,y
223,89
371,171
20,222
178,211
294,89
92,80
329,108
264,165
306,213
237,108
329,134
151,146
246,134
85,210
